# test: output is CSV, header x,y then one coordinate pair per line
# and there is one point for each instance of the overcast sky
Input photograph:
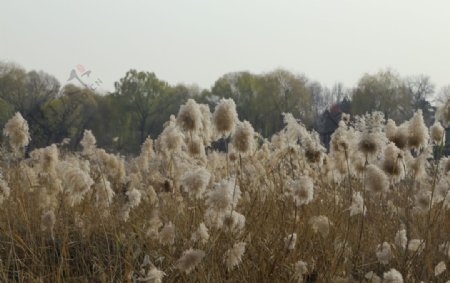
x,y
197,41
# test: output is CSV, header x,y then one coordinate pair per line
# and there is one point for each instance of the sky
x,y
197,41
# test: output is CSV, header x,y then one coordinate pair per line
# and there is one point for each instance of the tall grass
x,y
374,208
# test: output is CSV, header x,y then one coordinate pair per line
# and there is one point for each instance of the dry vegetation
x,y
372,209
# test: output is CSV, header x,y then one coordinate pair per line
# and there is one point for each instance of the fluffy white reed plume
x,y
214,218
149,195
369,144
170,140
357,206
225,116
134,197
290,241
195,147
443,113
393,162
444,165
437,133
233,256
384,253
201,234
16,129
189,116
345,117
4,189
344,248
47,158
167,234
147,153
371,138
392,276
440,268
224,196
397,135
294,130
233,222
189,260
154,223
314,151
76,182
320,224
417,166
110,164
376,180
301,190
400,238
195,182
342,139
153,275
372,277
417,132
88,142
300,269
416,245
243,139
103,192
206,131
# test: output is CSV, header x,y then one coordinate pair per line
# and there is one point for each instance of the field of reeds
x,y
372,208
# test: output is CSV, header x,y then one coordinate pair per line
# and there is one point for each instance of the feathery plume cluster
x,y
243,140
320,224
4,189
393,162
224,197
376,181
416,245
238,204
189,260
437,133
201,234
440,268
300,269
301,190
443,113
16,129
233,256
371,139
133,199
171,139
290,241
195,182
167,234
397,135
384,253
75,181
372,277
392,276
417,132
400,239
357,206
88,142
190,117
225,116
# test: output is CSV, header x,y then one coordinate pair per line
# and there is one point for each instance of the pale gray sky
x,y
197,41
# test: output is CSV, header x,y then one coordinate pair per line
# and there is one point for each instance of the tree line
x,y
141,103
